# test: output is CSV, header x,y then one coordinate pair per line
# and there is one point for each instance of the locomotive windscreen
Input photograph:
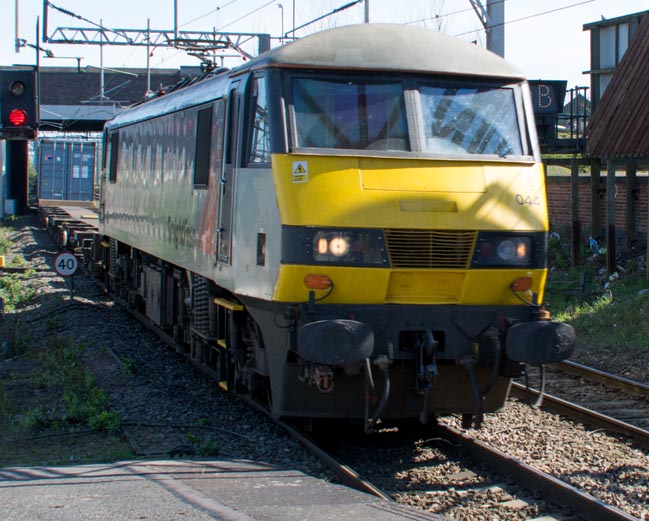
x,y
470,120
370,114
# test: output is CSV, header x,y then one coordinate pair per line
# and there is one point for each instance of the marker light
x,y
521,250
317,281
323,245
334,245
521,284
17,117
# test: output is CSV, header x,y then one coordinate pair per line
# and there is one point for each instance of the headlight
x,y
344,247
338,245
509,250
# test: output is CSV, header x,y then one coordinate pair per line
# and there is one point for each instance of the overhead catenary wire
x,y
124,35
531,16
334,11
248,14
445,15
216,10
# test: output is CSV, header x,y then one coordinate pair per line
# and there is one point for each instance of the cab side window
x,y
114,150
259,131
217,134
203,140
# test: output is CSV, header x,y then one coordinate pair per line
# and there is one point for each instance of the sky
x,y
545,39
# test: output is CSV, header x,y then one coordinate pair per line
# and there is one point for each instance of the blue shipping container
x,y
66,170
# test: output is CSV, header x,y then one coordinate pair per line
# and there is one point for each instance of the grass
x,y
5,242
57,414
616,319
54,412
81,401
15,288
607,312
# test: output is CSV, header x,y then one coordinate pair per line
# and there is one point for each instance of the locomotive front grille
x,y
412,249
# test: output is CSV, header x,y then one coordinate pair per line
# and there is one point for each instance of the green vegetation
x,y
14,339
82,402
606,311
58,400
50,396
206,446
15,288
129,365
5,241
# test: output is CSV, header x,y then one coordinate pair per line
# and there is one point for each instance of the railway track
x,y
572,500
536,485
597,398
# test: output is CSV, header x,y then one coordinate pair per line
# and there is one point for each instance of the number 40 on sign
x,y
65,264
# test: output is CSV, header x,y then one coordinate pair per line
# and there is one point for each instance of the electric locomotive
x,y
352,225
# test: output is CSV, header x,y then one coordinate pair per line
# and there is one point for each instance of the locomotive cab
x,y
419,200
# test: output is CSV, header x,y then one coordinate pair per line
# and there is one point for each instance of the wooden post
x,y
610,216
631,205
574,211
647,255
595,205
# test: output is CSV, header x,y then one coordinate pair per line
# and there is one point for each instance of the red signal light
x,y
17,117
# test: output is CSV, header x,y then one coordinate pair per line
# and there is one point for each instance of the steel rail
x,y
346,474
610,380
581,504
22,269
583,415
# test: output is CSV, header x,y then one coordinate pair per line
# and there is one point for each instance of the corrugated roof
x,y
619,128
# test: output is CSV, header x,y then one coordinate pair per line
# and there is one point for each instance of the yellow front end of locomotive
x,y
467,197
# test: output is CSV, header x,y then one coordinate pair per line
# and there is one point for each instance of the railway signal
x,y
18,104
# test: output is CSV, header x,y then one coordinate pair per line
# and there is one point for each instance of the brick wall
x,y
559,202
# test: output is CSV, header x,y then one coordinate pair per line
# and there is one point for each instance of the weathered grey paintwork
x,y
390,47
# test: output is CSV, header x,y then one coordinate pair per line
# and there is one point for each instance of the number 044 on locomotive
x,y
351,226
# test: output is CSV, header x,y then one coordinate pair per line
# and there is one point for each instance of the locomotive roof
x,y
371,47
390,47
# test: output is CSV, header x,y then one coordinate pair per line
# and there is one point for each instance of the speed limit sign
x,y
65,264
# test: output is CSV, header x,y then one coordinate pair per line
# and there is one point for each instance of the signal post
x,y
19,119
